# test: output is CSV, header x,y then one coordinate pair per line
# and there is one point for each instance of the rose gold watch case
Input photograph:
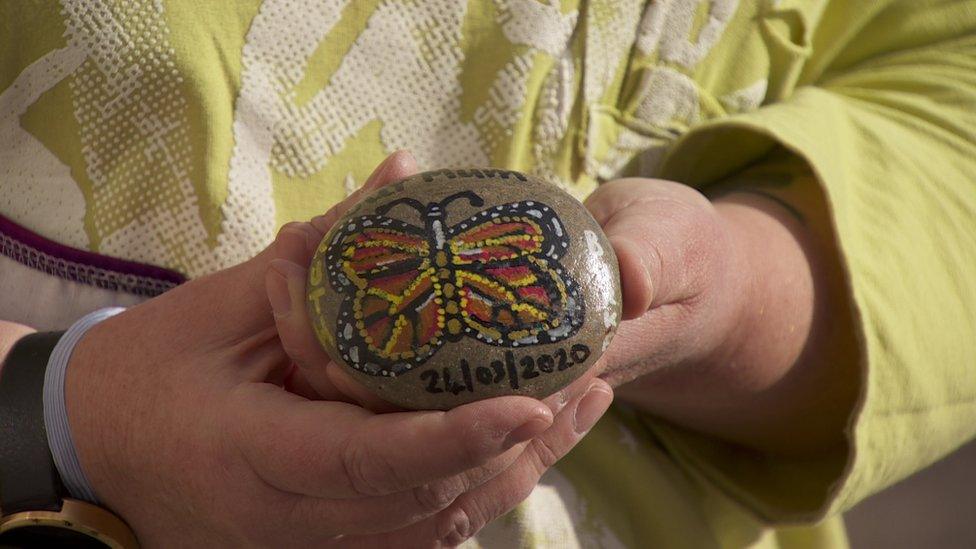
x,y
78,516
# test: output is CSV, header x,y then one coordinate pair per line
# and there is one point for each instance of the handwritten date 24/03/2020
x,y
509,369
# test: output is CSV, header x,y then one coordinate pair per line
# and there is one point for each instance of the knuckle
x,y
290,226
434,496
545,454
365,471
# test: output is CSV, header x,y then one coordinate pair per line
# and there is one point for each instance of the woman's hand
x,y
183,428
727,314
576,407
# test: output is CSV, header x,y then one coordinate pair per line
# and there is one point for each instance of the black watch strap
x,y
29,479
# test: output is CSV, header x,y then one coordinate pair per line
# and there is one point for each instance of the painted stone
x,y
457,285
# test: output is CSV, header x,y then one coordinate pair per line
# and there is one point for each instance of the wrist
x,y
776,365
35,507
775,273
740,293
752,321
91,402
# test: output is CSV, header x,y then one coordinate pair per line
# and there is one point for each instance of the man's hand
x,y
183,427
727,309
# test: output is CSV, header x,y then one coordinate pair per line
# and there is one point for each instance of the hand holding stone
x,y
458,285
183,428
491,489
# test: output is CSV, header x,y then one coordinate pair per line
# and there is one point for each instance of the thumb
x,y
233,302
663,234
285,275
242,288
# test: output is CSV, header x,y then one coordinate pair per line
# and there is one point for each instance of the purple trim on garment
x,y
33,250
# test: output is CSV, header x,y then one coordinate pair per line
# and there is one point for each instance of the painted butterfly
x,y
406,290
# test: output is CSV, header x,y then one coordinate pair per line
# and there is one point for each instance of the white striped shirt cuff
x,y
56,416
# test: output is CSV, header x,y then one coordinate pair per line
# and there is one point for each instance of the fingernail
x,y
406,159
529,430
278,291
592,406
312,241
380,170
323,223
460,531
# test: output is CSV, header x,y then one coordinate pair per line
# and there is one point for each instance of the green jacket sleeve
x,y
884,119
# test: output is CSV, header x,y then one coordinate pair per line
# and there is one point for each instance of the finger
x,y
296,382
376,514
242,288
289,244
285,286
285,282
568,394
636,278
332,449
297,242
294,248
406,508
397,166
358,392
473,510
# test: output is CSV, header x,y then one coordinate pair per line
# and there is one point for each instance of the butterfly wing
x,y
392,316
508,232
370,247
511,288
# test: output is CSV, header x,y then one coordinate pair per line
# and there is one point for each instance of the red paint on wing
x,y
416,296
477,307
386,260
510,274
379,331
536,294
496,230
395,284
394,237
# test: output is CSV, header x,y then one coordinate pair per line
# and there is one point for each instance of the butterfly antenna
x,y
473,199
408,201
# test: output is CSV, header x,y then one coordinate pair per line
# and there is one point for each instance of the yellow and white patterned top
x,y
181,134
